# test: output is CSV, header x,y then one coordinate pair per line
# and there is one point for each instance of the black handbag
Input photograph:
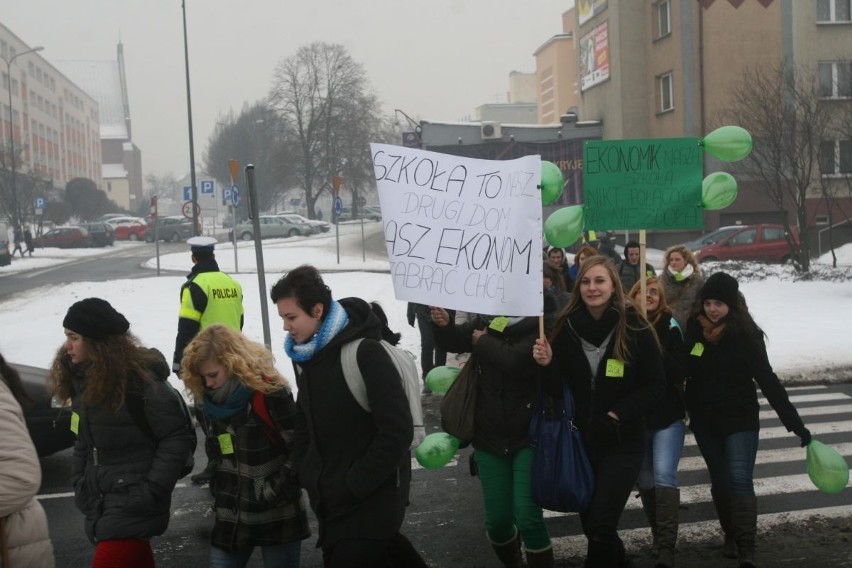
x,y
562,477
458,406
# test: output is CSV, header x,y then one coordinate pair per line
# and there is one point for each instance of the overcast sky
x,y
434,59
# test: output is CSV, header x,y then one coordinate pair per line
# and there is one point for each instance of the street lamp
x,y
17,209
189,115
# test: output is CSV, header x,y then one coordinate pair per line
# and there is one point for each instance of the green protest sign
x,y
643,184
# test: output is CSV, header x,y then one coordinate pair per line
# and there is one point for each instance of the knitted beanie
x,y
95,318
721,286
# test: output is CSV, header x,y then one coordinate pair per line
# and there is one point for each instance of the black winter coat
x,y
354,464
507,384
244,517
631,397
670,406
721,397
122,483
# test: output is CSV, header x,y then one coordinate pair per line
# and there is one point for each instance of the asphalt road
x,y
445,520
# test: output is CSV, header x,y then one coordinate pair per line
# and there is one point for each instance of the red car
x,y
765,243
64,237
128,228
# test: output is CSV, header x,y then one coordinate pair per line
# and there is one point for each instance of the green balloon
x,y
718,190
552,182
728,143
564,226
440,378
436,450
827,469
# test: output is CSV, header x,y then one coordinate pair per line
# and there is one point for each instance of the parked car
x,y
764,242
171,229
271,227
102,234
711,237
129,228
317,225
5,257
108,216
49,423
64,237
366,212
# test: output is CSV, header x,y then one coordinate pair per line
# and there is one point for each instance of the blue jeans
x,y
662,454
506,483
281,556
730,460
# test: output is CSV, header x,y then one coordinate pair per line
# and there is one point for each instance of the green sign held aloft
x,y
643,184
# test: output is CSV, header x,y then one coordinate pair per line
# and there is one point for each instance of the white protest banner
x,y
462,233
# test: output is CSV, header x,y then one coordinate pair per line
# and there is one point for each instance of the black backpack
x,y
136,407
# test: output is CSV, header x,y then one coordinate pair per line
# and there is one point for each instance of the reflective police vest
x,y
224,300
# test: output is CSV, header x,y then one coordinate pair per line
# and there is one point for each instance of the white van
x,y
5,258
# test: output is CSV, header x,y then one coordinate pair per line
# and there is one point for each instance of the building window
x,y
835,79
835,157
666,92
834,11
664,18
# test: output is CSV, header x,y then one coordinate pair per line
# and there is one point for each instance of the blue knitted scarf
x,y
333,324
236,401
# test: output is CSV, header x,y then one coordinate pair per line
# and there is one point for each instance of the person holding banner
x,y
665,429
727,355
506,394
610,356
682,281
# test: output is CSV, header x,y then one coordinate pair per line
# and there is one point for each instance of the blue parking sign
x,y
226,196
39,202
187,193
208,186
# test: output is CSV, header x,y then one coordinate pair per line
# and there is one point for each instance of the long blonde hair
x,y
662,303
250,362
618,301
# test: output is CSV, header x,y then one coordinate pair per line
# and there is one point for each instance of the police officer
x,y
208,296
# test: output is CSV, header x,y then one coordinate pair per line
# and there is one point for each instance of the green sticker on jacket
x,y
615,368
75,422
226,444
697,350
499,323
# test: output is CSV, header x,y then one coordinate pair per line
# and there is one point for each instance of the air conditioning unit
x,y
490,130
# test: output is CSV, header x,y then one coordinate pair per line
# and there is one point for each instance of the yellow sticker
x,y
499,323
75,422
697,350
615,368
226,444
592,236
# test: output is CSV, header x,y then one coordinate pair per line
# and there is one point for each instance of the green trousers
x,y
507,497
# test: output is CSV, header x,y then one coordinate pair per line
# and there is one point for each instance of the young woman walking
x,y
258,502
664,428
610,356
726,356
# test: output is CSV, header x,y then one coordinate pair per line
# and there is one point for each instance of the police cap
x,y
201,244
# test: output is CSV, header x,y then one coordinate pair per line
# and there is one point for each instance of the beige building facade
x,y
668,68
54,122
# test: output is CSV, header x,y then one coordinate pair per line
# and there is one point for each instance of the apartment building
x,y
54,122
669,68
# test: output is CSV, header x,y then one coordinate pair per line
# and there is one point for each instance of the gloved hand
x,y
805,437
284,488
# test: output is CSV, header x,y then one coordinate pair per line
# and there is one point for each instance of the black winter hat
x,y
723,287
95,318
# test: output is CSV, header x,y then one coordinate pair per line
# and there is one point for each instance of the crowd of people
x,y
638,360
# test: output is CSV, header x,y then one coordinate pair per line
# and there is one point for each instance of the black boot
x,y
744,509
509,552
605,554
649,505
722,501
668,503
207,475
540,558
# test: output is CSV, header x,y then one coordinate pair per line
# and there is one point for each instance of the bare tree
x,y
836,170
255,136
28,184
782,110
322,96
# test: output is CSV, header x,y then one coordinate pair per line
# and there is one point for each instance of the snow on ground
x,y
807,321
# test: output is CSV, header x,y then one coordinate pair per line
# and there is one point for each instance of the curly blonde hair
x,y
249,361
687,256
